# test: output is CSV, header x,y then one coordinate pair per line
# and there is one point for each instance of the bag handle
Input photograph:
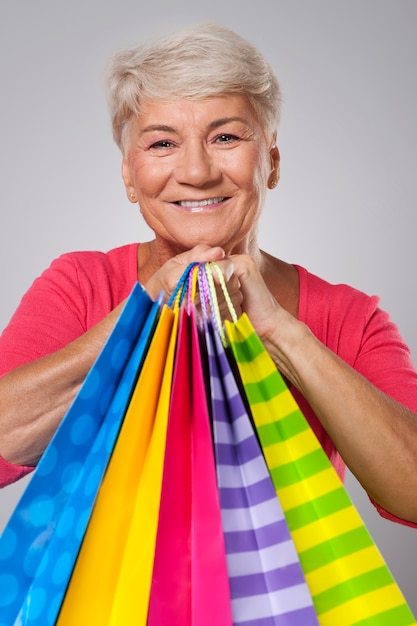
x,y
201,275
213,298
180,290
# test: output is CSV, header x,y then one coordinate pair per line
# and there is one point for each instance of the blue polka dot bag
x,y
39,545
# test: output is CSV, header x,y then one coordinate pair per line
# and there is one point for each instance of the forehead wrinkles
x,y
216,111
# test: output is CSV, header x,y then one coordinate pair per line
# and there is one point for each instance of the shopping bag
x,y
63,547
347,576
110,583
189,583
43,533
266,579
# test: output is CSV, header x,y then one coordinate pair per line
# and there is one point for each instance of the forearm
x,y
35,397
376,436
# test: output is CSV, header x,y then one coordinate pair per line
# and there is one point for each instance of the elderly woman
x,y
195,116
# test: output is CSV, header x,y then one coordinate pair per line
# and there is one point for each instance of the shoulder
x,y
338,314
352,325
121,260
73,294
94,269
92,281
314,289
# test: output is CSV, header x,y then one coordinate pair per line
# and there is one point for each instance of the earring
x,y
132,195
273,183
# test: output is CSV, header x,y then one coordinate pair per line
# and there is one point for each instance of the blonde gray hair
x,y
201,61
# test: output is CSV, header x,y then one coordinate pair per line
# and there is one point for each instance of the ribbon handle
x,y
202,276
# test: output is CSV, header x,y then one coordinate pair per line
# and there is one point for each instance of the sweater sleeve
x,y
49,316
68,298
76,292
353,326
385,360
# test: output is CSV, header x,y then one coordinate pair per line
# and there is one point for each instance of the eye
x,y
162,144
226,138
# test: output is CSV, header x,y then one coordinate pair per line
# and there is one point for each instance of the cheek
x,y
260,172
150,179
259,180
247,173
258,164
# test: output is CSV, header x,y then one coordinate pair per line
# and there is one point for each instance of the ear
x,y
274,175
130,190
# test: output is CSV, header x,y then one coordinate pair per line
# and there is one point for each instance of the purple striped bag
x,y
267,584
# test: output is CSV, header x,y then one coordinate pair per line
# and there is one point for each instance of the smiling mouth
x,y
199,205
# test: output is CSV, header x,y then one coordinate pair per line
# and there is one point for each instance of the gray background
x,y
345,207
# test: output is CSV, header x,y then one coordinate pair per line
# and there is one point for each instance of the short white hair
x,y
201,61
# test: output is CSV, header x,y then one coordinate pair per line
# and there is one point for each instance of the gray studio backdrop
x,y
345,207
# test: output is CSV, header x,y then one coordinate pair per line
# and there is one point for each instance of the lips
x,y
195,206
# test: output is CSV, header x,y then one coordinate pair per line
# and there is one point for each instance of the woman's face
x,y
199,171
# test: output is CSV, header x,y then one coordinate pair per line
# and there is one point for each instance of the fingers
x,y
258,302
166,278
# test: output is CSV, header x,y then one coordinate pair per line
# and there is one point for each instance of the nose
x,y
196,165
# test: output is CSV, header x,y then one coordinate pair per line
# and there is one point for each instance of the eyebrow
x,y
160,127
226,120
171,129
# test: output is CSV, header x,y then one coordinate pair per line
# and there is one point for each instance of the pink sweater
x,y
80,288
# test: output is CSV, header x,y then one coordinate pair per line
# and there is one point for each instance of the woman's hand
x,y
166,278
257,301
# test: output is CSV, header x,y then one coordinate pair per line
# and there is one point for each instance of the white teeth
x,y
193,204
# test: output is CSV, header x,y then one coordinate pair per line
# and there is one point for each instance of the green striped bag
x,y
348,579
